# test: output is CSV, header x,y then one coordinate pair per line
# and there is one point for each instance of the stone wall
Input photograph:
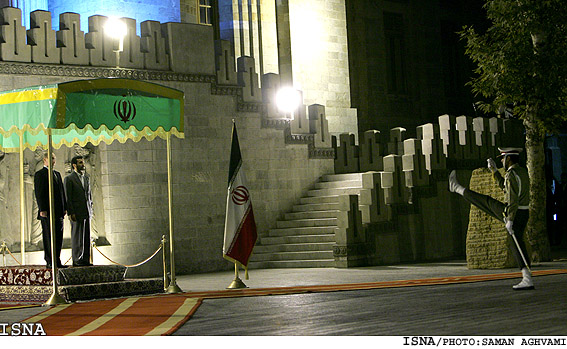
x,y
487,238
282,157
317,56
407,64
319,50
135,178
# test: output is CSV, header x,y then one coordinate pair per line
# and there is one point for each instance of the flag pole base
x,y
55,299
173,288
236,284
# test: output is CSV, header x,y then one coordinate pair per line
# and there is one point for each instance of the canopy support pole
x,y
172,288
22,203
55,296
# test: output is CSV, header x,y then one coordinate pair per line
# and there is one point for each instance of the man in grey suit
x,y
79,210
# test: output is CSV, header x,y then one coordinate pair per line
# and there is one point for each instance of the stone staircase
x,y
306,236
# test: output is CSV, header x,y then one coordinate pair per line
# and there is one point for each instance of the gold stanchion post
x,y
236,283
55,296
22,203
165,278
3,248
172,288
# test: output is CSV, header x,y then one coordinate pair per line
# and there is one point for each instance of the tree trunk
x,y
536,233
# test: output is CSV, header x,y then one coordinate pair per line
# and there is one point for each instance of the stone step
x,y
331,199
322,263
297,239
339,184
341,177
287,256
311,215
298,223
333,191
320,230
315,207
290,247
306,236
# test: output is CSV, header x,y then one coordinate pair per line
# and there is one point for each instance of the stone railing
x,y
404,199
349,249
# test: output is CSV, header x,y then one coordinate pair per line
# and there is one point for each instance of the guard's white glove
x,y
509,225
491,165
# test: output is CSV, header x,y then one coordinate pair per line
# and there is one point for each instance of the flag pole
x,y
236,283
240,228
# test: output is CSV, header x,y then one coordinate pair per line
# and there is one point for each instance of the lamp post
x,y
287,100
117,30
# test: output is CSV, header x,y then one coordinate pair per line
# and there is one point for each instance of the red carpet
x,y
135,316
6,306
366,285
164,314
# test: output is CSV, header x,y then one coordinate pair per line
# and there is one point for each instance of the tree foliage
x,y
521,59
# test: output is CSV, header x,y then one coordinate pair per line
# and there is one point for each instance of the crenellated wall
x,y
405,207
71,45
282,158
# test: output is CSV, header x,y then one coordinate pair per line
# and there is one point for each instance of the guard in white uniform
x,y
514,212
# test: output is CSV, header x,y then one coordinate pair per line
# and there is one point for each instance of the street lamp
x,y
117,30
287,100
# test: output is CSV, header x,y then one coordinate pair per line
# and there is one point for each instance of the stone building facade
x,y
304,42
406,61
394,218
131,178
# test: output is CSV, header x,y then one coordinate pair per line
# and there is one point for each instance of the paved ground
x,y
487,308
484,308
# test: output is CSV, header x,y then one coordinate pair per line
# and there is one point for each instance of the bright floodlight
x,y
288,99
115,28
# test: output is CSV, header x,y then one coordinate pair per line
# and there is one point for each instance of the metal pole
x,y
22,203
165,279
172,288
521,253
236,283
3,248
55,296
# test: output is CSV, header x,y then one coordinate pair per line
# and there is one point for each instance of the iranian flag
x,y
239,227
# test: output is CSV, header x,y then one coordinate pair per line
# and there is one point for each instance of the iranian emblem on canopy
x,y
124,110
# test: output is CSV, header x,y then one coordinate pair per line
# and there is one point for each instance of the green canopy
x,y
79,112
83,111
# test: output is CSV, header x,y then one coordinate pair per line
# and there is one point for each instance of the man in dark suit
x,y
41,188
79,210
